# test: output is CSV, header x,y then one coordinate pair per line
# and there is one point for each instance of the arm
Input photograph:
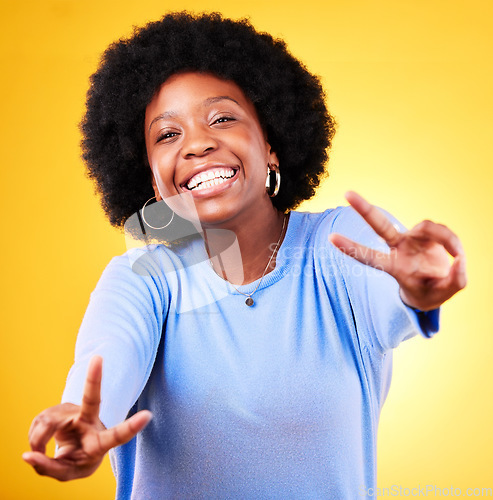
x,y
417,259
81,438
122,324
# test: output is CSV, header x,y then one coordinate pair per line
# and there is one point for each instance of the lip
x,y
213,190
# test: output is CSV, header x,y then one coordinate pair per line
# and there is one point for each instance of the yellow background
x,y
410,83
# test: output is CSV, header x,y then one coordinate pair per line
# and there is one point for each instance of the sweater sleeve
x,y
123,324
383,318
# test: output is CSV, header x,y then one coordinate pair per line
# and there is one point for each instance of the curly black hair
x,y
289,101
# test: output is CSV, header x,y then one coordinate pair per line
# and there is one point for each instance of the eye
x,y
223,119
166,136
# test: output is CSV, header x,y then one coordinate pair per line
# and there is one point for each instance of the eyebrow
x,y
208,102
212,100
162,116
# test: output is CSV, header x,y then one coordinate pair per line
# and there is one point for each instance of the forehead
x,y
188,90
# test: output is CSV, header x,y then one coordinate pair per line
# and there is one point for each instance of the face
x,y
205,143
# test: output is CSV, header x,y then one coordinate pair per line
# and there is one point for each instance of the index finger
x,y
375,218
91,399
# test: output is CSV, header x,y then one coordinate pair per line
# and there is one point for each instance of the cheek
x,y
259,159
162,169
161,184
181,203
254,150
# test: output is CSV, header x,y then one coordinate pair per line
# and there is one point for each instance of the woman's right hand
x,y
81,438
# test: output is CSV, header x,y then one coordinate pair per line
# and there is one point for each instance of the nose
x,y
198,142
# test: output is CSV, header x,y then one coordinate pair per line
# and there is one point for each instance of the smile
x,y
210,178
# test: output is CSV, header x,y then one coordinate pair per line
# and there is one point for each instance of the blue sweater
x,y
279,400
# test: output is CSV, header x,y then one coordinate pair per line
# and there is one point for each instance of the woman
x,y
264,358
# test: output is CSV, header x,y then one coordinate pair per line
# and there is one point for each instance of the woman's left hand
x,y
417,259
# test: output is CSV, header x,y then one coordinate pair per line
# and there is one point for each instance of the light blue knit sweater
x,y
280,400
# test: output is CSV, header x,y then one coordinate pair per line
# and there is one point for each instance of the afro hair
x,y
289,101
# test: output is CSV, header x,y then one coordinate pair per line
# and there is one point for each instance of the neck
x,y
256,239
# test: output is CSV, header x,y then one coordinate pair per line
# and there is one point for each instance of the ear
x,y
157,194
273,159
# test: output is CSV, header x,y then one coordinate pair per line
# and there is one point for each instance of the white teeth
x,y
210,178
209,183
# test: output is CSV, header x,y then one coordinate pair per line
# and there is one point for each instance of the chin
x,y
214,219
213,214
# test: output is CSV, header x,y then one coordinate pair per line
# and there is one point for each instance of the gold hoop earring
x,y
154,227
272,191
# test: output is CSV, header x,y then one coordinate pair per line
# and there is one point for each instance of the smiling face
x,y
204,141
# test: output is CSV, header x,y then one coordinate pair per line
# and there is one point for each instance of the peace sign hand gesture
x,y
81,437
417,259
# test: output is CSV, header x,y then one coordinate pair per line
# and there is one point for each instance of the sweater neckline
x,y
282,262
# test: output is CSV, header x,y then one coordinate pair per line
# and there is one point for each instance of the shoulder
x,y
135,262
345,220
315,228
312,231
140,268
306,225
157,259
154,268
